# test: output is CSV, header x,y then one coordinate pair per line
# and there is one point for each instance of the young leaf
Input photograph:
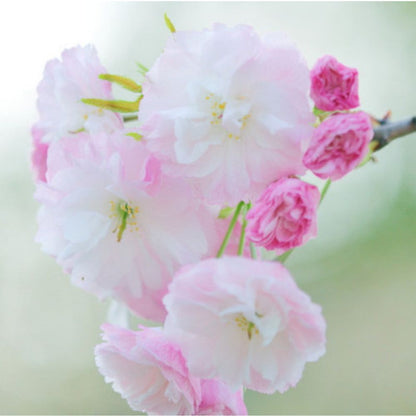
x,y
169,24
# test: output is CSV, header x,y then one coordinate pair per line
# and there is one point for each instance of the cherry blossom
x,y
65,82
148,371
244,321
228,109
115,223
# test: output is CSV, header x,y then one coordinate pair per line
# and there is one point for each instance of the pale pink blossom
x,y
65,82
228,109
244,321
115,223
148,371
338,145
219,399
39,154
284,216
334,86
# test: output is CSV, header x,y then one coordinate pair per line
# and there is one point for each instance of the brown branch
x,y
388,131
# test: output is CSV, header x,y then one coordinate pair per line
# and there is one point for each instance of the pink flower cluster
x,y
139,214
340,143
232,323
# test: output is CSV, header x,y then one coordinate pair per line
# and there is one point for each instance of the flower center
x,y
246,326
125,216
217,108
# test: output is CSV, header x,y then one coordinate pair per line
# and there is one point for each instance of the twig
x,y
388,131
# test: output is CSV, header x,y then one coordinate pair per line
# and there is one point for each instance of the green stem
x,y
325,190
230,228
253,251
243,229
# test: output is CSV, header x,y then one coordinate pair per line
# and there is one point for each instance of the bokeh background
x,y
361,268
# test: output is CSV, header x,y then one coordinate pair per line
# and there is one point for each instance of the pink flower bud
x,y
338,145
334,86
284,216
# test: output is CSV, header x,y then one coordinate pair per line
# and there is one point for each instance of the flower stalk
x,y
230,228
243,229
253,251
325,190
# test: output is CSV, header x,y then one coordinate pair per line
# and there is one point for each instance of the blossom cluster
x,y
170,215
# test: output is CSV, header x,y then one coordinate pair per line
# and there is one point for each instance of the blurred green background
x,y
361,268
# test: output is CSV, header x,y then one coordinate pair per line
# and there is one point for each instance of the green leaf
x,y
124,82
169,24
136,136
118,106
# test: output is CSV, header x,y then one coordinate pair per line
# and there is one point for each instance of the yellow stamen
x,y
125,213
246,325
